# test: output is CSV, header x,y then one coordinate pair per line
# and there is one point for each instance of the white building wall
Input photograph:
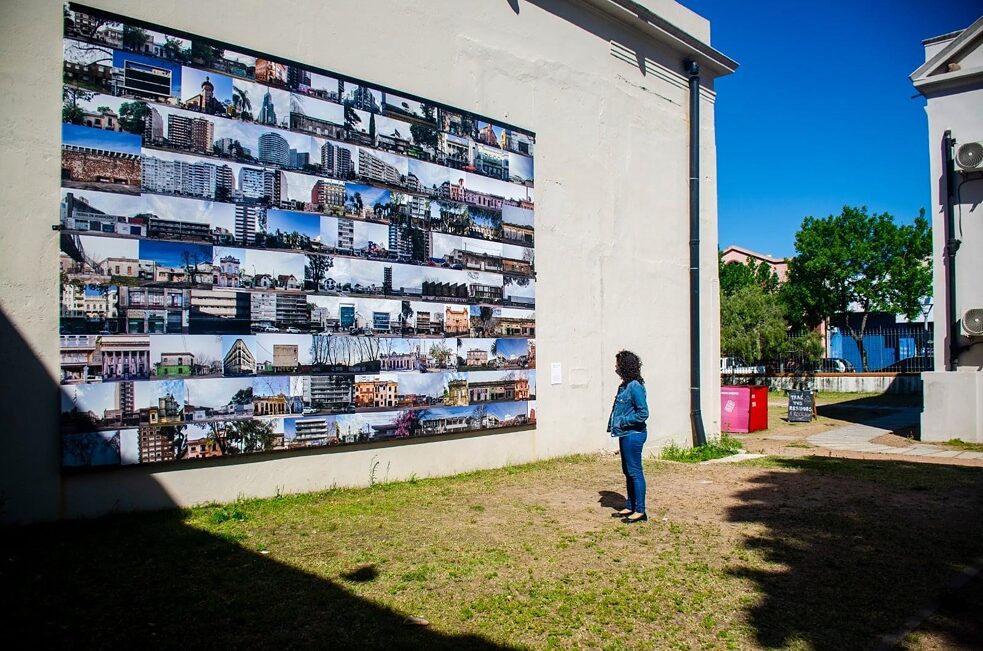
x,y
609,106
954,399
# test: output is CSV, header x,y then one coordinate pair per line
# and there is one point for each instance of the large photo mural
x,y
261,256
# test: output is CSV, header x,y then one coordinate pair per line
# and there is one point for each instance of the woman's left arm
x,y
640,414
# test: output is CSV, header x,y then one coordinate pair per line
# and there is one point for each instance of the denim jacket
x,y
630,410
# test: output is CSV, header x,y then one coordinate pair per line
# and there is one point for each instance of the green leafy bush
x,y
724,447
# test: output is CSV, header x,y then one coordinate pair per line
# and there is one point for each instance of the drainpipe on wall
x,y
951,247
696,413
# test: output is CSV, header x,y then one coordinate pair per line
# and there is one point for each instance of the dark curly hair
x,y
629,366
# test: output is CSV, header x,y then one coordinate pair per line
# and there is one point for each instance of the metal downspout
x,y
951,247
696,413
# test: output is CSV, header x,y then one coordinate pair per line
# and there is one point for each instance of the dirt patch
x,y
892,440
802,552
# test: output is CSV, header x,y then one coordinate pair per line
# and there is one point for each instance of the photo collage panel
x,y
258,255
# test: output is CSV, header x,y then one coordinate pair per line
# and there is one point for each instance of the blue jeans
x,y
631,464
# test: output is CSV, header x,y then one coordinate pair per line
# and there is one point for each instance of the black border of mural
x,y
266,455
290,62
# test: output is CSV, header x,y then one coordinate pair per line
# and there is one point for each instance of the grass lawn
x,y
781,552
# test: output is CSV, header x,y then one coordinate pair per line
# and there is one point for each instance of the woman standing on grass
x,y
627,423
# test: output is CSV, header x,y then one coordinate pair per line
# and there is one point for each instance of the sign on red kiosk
x,y
743,408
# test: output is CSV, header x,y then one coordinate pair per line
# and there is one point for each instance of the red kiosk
x,y
743,408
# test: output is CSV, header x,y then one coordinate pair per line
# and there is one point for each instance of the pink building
x,y
741,255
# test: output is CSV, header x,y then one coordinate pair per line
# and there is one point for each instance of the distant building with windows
x,y
327,193
175,365
154,310
195,134
239,360
267,113
376,393
125,357
457,321
274,149
375,169
248,218
515,389
271,72
335,392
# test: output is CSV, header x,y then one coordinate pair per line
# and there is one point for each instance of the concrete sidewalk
x,y
857,438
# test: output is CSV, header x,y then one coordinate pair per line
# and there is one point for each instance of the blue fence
x,y
895,350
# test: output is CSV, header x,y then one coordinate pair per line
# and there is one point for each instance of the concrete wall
x,y
609,108
952,404
847,383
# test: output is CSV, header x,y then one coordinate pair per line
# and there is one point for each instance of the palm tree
x,y
240,100
351,118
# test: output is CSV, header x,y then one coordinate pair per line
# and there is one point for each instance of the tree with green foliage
x,y
246,436
752,324
351,118
241,104
134,38
440,353
172,50
242,397
205,54
133,116
424,136
735,276
71,97
856,263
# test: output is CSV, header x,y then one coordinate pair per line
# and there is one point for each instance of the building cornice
x,y
931,76
652,25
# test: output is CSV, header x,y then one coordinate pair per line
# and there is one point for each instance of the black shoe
x,y
634,520
620,514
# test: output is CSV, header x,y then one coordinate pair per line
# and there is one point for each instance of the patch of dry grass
x,y
735,556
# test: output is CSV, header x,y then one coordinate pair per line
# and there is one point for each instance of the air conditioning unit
x,y
969,156
973,322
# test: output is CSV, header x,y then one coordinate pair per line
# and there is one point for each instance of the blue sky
x,y
521,166
370,195
512,347
192,79
127,143
169,254
820,114
289,221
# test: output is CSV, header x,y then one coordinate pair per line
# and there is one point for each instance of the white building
x,y
603,85
263,307
951,79
178,177
346,233
375,169
255,183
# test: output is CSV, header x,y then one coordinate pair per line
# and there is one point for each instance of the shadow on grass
x,y
151,580
844,551
611,500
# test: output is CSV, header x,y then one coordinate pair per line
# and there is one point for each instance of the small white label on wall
x,y
556,373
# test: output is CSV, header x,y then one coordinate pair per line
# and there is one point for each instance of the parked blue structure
x,y
885,347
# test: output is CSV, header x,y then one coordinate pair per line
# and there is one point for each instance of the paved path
x,y
857,438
